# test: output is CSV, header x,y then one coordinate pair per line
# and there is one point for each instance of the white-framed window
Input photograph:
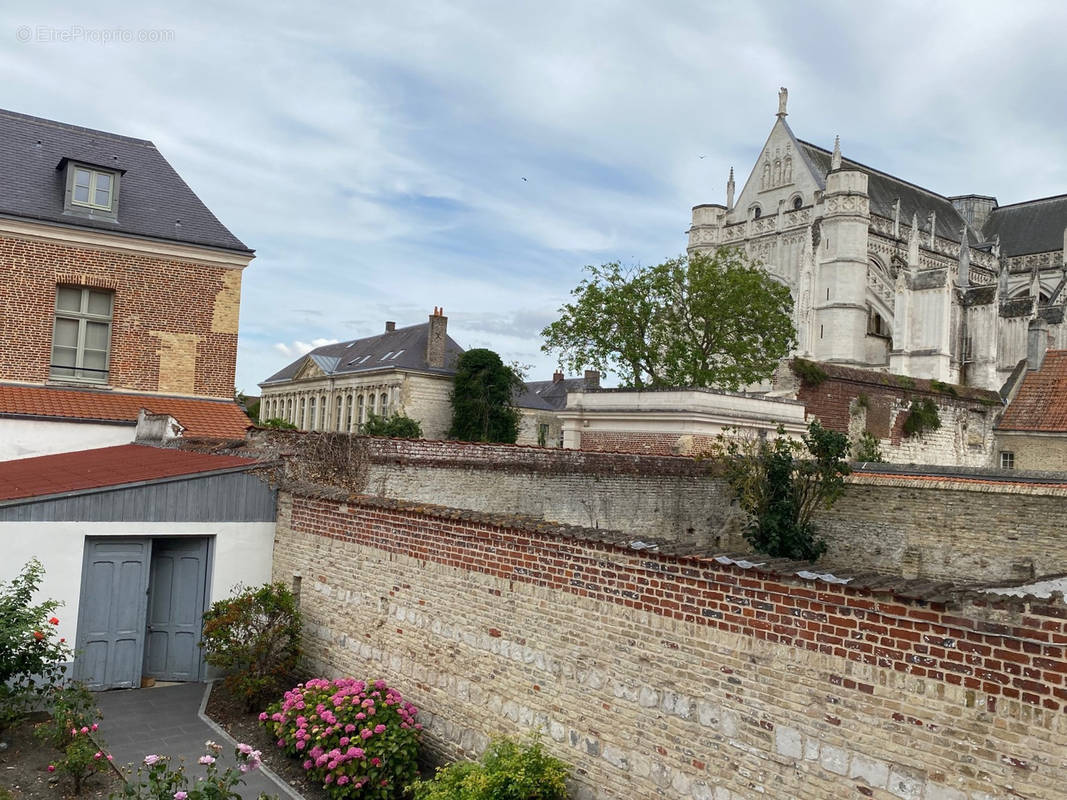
x,y
311,413
92,188
1007,459
302,422
360,419
348,414
383,405
81,337
340,410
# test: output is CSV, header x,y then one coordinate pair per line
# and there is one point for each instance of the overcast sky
x,y
385,158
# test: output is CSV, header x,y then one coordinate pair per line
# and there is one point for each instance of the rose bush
x,y
158,779
359,739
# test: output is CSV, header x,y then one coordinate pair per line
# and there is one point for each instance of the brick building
x,y
120,292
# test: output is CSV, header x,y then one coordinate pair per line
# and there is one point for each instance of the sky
x,y
385,158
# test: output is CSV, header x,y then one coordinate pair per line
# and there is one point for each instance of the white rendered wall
x,y
25,438
242,554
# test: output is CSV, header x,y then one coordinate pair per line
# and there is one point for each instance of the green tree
x,y
483,394
781,483
703,320
397,426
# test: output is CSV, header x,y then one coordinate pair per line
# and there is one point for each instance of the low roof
x,y
1041,402
1035,226
104,467
210,419
552,393
153,199
403,348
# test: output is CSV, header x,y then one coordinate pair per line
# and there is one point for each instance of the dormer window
x,y
91,190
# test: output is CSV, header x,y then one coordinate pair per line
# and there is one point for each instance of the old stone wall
x,y
1041,451
675,676
174,323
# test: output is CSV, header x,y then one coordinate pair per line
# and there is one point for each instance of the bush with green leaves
x,y
82,757
868,450
158,779
781,483
396,426
254,637
32,657
72,708
483,398
357,739
506,771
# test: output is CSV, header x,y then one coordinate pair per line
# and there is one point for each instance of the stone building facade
x,y
117,283
888,275
337,387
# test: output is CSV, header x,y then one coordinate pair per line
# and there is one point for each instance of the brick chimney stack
x,y
592,379
390,326
436,338
557,376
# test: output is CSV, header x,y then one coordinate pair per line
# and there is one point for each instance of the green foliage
x,y
82,758
701,320
904,382
277,424
868,449
73,708
396,426
157,779
483,394
357,739
254,636
249,405
781,483
863,401
943,388
922,417
31,656
810,373
506,771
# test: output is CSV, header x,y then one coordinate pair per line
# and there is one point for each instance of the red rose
x,y
38,635
54,620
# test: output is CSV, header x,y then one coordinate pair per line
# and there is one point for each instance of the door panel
x,y
112,608
175,609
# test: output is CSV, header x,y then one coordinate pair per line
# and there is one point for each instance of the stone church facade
x,y
887,275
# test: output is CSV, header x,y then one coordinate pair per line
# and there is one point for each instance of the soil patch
x,y
24,770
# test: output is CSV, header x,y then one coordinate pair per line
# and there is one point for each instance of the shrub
x,y
73,708
505,771
922,417
31,657
82,757
397,426
156,779
810,373
868,450
356,739
254,636
277,424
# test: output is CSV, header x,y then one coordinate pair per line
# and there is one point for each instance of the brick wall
x,y
178,314
672,675
855,401
661,444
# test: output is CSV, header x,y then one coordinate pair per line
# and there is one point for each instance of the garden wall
x,y
677,676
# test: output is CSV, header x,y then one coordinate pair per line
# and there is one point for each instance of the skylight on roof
x,y
387,355
353,361
397,353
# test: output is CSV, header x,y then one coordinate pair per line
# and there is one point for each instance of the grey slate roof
x,y
152,196
885,189
552,393
1035,226
403,348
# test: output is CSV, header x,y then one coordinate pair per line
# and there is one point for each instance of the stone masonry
x,y
674,675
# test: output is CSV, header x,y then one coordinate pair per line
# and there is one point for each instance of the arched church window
x,y
757,212
798,203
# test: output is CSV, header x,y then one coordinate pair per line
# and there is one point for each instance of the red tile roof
x,y
104,466
1041,403
213,419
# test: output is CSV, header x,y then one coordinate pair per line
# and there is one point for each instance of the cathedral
x,y
887,275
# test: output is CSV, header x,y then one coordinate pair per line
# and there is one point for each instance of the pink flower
x,y
245,749
85,730
93,727
366,733
377,762
206,760
51,767
379,729
180,795
150,760
263,716
98,755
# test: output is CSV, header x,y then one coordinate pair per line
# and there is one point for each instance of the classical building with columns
x,y
887,275
336,387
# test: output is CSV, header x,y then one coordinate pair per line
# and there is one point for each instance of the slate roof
x,y
552,393
1041,402
884,190
1035,226
152,196
403,348
210,419
81,470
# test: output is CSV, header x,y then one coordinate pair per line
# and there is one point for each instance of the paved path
x,y
169,720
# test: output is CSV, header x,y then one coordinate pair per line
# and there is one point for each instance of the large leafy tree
x,y
482,398
703,320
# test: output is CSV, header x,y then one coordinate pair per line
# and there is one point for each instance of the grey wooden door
x,y
111,613
175,609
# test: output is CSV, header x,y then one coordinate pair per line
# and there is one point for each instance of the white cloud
x,y
298,348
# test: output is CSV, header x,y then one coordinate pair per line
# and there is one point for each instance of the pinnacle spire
x,y
730,191
835,159
783,98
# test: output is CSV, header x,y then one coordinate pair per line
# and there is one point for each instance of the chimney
x,y
390,326
592,379
557,376
436,336
1036,344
